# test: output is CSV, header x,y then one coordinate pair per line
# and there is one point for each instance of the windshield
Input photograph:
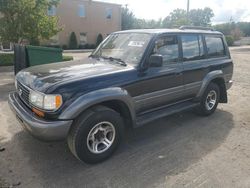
x,y
126,47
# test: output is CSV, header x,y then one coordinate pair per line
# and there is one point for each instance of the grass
x,y
8,59
67,58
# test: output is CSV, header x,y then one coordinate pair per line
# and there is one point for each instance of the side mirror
x,y
155,60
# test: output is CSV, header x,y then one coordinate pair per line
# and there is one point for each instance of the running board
x,y
153,115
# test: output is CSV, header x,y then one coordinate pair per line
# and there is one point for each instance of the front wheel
x,y
96,134
209,100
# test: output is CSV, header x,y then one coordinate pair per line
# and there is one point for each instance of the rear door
x,y
195,66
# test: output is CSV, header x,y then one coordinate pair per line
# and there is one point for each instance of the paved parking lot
x,y
183,150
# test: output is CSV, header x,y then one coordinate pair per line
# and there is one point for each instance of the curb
x,y
78,51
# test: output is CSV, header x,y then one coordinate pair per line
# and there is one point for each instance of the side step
x,y
159,113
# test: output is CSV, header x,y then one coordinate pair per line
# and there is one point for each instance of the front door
x,y
163,85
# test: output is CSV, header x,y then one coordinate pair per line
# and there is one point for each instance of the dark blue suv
x,y
133,77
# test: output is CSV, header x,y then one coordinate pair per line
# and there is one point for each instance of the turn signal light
x,y
38,112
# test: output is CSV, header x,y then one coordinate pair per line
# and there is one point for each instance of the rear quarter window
x,y
215,46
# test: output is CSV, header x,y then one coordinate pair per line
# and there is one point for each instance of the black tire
x,y
84,124
203,109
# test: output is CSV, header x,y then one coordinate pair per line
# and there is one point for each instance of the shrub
x,y
73,41
87,46
99,39
67,58
65,47
52,46
91,46
230,40
6,59
82,46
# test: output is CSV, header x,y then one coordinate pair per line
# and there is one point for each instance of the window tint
x,y
81,11
215,47
108,13
192,47
167,47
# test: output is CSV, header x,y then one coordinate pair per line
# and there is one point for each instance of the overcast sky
x,y
239,10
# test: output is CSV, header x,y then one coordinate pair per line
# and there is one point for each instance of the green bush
x,y
67,58
99,39
230,40
87,46
6,59
73,41
65,47
52,46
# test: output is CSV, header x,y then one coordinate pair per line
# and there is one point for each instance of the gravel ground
x,y
183,150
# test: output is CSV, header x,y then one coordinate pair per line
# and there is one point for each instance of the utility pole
x,y
188,10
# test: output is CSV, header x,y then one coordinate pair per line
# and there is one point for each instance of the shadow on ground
x,y
163,148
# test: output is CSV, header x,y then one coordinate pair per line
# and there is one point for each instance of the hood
x,y
41,77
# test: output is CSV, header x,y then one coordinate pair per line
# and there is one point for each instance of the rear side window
x,y
192,47
215,47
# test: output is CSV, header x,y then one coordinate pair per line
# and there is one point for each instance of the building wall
x,y
92,24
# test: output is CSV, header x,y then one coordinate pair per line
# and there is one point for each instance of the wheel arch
x,y
216,77
222,86
122,108
116,98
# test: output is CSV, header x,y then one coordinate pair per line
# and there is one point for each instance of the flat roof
x,y
104,2
159,31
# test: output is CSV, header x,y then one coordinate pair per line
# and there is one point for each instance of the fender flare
x,y
207,79
96,97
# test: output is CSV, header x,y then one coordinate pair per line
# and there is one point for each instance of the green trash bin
x,y
42,55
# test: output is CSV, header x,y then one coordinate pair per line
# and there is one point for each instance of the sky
x,y
239,10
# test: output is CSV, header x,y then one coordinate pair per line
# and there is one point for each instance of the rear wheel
x,y
209,100
96,134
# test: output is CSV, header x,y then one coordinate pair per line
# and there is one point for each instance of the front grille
x,y
23,93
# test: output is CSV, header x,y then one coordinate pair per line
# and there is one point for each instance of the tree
x,y
201,17
128,19
27,19
99,39
72,41
236,33
233,28
147,24
196,17
176,18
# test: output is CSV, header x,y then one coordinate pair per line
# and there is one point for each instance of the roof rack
x,y
196,27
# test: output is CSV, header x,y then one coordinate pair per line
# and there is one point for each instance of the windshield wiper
x,y
120,61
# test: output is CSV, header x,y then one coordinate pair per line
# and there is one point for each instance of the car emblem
x,y
20,92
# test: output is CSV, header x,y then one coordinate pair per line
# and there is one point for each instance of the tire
x,y
204,109
96,134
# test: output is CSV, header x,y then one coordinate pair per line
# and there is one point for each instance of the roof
x,y
159,31
104,2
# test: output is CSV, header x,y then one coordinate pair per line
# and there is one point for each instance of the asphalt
x,y
182,150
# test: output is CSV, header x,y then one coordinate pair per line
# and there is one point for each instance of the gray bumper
x,y
42,129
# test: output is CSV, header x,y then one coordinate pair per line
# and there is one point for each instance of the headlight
x,y
36,99
46,102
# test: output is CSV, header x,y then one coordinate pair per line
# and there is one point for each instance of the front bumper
x,y
39,128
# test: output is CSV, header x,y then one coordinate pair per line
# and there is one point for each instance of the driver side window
x,y
167,46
